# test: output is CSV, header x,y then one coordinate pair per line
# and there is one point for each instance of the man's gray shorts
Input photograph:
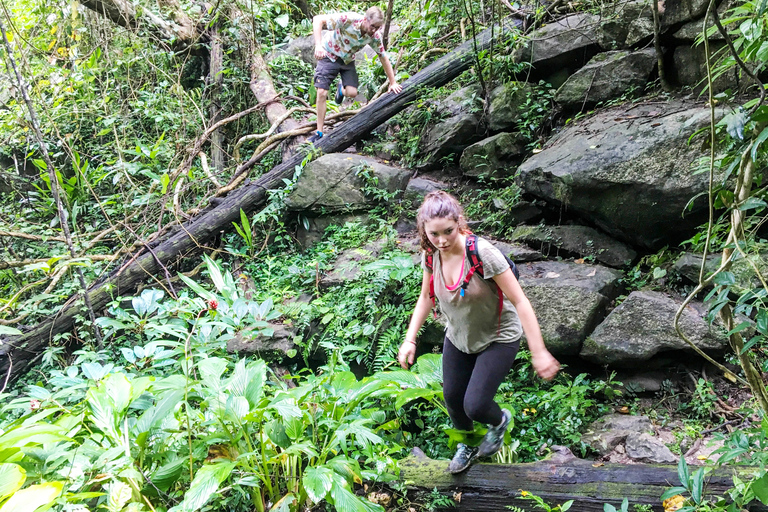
x,y
327,70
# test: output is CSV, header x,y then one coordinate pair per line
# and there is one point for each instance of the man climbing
x,y
348,32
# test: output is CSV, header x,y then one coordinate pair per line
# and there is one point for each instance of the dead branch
x,y
27,236
207,171
272,129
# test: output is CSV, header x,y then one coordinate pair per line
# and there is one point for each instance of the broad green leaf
x,y
412,394
33,434
211,370
682,471
283,20
206,482
346,500
697,486
168,473
12,477
9,331
317,482
430,366
672,491
202,292
346,467
33,498
154,416
215,272
284,503
760,488
119,495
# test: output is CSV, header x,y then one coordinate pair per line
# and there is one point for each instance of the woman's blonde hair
x,y
439,205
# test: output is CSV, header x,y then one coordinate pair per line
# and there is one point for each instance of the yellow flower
x,y
524,493
674,503
533,411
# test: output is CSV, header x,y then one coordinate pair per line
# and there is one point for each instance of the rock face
x,y
505,103
581,240
569,300
608,75
493,156
330,184
625,24
627,170
642,326
565,44
460,127
278,347
646,448
419,187
742,270
690,68
609,431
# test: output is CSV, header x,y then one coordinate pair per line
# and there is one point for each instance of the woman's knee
x,y
476,407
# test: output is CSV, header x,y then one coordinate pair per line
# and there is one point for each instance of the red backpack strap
x,y
428,261
476,265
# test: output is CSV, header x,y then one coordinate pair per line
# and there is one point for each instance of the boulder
x,y
493,156
676,12
460,126
689,264
506,101
643,326
516,252
569,300
691,31
348,265
566,44
331,184
608,75
690,69
278,347
646,448
610,431
625,24
419,187
580,240
628,171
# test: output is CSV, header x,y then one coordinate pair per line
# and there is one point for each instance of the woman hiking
x,y
487,313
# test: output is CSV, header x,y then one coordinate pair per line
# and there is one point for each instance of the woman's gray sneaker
x,y
463,458
495,436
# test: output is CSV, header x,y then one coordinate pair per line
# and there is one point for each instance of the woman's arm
x,y
407,352
545,365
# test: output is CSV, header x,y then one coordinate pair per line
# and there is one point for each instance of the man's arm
x,y
393,85
318,23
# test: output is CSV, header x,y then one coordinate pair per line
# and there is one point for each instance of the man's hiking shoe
x,y
316,137
495,436
339,95
463,458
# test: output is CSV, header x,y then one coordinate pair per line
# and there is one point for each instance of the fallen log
x,y
493,487
18,353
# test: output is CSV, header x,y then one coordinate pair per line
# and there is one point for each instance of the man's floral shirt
x,y
344,38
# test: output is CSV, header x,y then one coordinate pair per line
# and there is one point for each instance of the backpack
x,y
476,263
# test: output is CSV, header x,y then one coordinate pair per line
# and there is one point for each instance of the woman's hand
x,y
545,364
407,354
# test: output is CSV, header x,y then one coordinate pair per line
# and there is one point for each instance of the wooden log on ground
x,y
492,487
22,351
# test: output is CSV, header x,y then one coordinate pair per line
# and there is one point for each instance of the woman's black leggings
x,y
470,382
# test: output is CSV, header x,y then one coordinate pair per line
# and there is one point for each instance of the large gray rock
x,y
690,69
506,101
689,265
676,12
625,24
569,300
278,347
330,184
691,31
627,170
610,431
419,187
494,156
581,240
643,326
517,252
459,127
564,44
646,448
608,75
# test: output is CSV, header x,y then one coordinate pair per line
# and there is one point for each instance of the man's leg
x,y
349,79
325,72
322,97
